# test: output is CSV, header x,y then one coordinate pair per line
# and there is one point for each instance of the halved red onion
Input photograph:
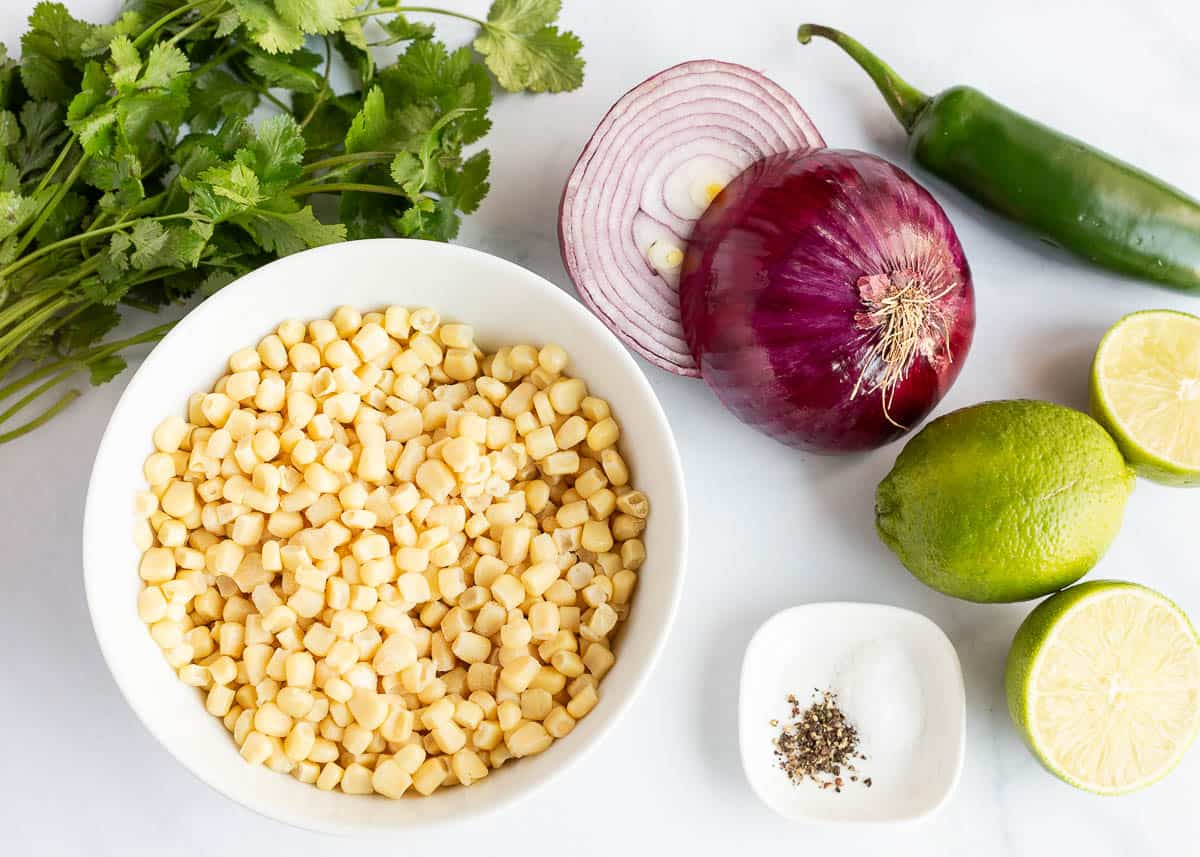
x,y
661,154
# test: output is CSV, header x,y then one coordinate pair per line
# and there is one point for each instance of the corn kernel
x,y
528,740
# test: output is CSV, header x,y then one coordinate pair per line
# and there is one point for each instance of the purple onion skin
x,y
772,298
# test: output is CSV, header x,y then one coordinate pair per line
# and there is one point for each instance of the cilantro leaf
x,y
216,96
315,16
10,179
167,67
52,52
115,262
216,281
435,220
9,73
427,70
327,127
278,150
101,36
149,237
55,33
112,172
369,128
148,117
523,16
227,24
95,130
119,176
15,211
428,81
85,329
268,30
103,369
368,215
292,71
10,129
408,172
64,218
41,120
44,132
91,99
400,29
354,35
46,79
174,246
126,63
543,61
238,184
224,191
286,232
469,185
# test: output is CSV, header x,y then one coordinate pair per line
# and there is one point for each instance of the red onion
x,y
657,159
826,299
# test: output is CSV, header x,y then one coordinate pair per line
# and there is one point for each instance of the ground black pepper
x,y
819,743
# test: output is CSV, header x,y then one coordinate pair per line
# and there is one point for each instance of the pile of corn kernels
x,y
389,560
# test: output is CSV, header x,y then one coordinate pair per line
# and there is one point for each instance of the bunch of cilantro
x,y
136,170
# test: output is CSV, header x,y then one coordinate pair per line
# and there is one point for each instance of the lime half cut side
x,y
1104,681
1146,392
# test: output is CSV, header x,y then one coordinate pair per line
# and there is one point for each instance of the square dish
x,y
899,682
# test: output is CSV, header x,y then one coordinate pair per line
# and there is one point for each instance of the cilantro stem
x,y
266,93
22,307
217,59
276,101
249,79
36,375
320,97
44,215
330,187
10,340
188,30
392,10
42,418
168,18
82,236
69,365
35,393
58,162
352,158
42,319
79,359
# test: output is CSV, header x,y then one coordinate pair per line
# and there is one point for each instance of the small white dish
x,y
898,681
506,304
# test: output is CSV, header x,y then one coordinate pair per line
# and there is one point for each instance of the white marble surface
x,y
771,527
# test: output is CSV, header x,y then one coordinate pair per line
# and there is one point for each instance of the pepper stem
x,y
905,101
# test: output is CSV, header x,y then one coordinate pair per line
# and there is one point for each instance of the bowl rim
x,y
788,614
198,318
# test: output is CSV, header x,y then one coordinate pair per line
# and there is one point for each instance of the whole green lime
x,y
1004,501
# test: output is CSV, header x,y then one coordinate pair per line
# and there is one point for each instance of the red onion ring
x,y
648,172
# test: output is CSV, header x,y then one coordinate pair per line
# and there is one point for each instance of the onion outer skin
x,y
635,302
771,287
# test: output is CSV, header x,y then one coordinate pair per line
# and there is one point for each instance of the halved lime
x,y
1146,392
1103,681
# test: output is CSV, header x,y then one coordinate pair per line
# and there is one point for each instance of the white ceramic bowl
x,y
898,681
507,305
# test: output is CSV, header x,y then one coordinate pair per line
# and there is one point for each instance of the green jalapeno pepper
x,y
1071,194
